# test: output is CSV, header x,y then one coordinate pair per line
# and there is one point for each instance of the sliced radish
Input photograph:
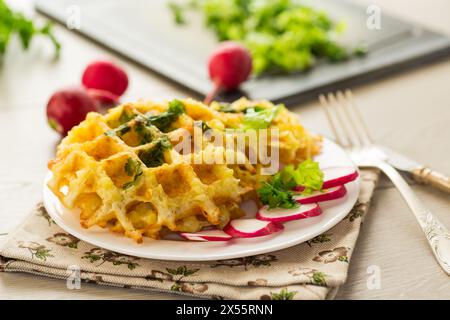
x,y
283,215
335,176
251,228
324,195
207,235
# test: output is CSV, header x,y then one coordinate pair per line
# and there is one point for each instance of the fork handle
x,y
427,176
437,235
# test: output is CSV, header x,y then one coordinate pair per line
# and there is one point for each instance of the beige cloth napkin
x,y
311,270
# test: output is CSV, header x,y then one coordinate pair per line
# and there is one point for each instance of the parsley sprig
x,y
133,168
164,120
277,192
142,124
12,22
154,157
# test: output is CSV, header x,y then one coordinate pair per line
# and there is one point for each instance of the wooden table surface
x,y
409,112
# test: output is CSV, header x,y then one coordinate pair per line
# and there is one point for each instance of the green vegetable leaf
x,y
205,127
360,51
227,108
259,118
276,194
177,12
132,168
126,116
154,157
142,130
307,174
164,120
12,22
120,130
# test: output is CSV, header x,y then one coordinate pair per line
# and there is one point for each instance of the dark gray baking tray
x,y
144,31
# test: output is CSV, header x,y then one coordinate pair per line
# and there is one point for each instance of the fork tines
x,y
345,119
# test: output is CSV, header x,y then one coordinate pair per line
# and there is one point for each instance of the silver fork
x,y
352,134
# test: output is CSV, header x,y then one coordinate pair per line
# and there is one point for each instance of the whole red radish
x,y
68,107
229,65
105,98
105,75
251,228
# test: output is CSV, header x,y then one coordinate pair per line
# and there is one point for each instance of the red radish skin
x,y
68,107
284,215
324,195
251,228
335,176
207,235
229,65
103,97
105,75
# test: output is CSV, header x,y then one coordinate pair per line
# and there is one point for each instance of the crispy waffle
x,y
122,172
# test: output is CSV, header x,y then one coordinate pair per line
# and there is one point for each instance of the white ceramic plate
x,y
295,232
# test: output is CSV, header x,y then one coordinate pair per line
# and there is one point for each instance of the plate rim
x,y
53,212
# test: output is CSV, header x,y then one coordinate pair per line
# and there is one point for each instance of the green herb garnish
x,y
227,108
142,125
259,118
154,157
12,22
164,120
275,195
132,168
120,130
360,51
205,127
177,11
307,174
142,130
277,192
126,116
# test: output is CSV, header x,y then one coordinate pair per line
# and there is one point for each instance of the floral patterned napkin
x,y
311,270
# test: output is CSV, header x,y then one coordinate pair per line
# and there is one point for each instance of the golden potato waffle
x,y
122,172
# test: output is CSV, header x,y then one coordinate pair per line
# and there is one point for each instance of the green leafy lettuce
x,y
259,118
277,192
307,174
